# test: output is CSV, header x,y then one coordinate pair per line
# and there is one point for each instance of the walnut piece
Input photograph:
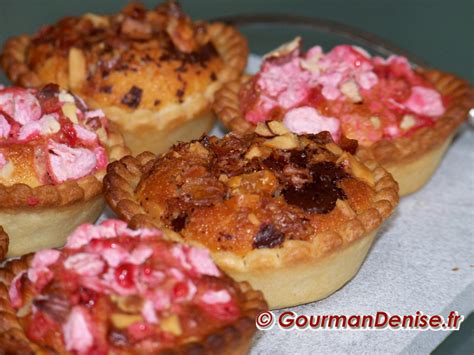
x,y
278,128
351,91
334,149
263,130
253,152
70,111
284,142
122,320
172,325
285,49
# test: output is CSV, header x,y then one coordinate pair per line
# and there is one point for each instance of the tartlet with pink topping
x,y
114,290
402,117
53,155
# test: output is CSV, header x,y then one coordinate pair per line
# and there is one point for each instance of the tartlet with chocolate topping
x,y
113,290
294,216
404,118
153,72
53,155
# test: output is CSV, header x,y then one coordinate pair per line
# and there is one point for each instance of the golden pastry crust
x,y
350,235
4,241
231,339
151,83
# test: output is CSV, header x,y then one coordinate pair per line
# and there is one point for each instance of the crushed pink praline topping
x,y
370,96
112,260
77,333
307,119
60,131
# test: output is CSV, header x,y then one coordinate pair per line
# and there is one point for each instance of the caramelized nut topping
x,y
256,189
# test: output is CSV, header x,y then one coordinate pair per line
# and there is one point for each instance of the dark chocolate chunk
x,y
320,195
274,163
133,97
178,223
327,171
107,89
299,157
180,93
313,197
213,76
268,236
225,236
156,102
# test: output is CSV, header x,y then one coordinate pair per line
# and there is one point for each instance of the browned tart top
x,y
245,192
137,58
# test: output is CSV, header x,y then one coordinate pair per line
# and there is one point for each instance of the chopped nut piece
x,y
333,148
253,152
408,122
351,91
65,97
69,110
102,134
223,178
305,141
286,141
311,64
128,304
284,49
278,128
172,325
77,67
375,121
358,169
253,219
198,149
97,20
122,321
7,170
263,130
234,182
136,29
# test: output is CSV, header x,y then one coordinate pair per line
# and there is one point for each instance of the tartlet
x,y
153,72
53,155
293,216
403,118
114,290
